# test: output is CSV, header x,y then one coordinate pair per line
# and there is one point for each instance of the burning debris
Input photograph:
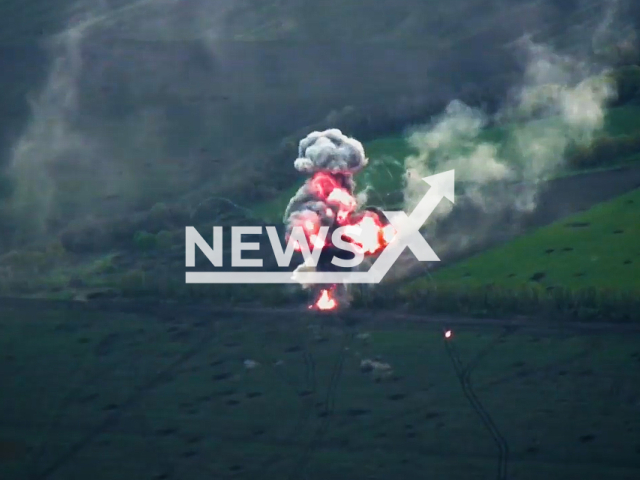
x,y
327,201
326,301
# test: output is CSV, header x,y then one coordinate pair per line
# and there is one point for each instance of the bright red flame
x,y
344,201
311,227
325,301
328,189
369,234
322,184
365,230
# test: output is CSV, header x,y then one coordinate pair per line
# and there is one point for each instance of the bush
x,y
145,241
164,239
23,261
103,265
627,80
557,303
604,151
134,283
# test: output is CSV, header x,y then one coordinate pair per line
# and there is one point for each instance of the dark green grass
x,y
103,396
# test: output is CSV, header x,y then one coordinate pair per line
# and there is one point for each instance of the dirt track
x,y
197,313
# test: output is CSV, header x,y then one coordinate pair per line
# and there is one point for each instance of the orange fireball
x,y
325,301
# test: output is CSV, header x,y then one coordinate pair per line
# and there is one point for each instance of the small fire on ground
x,y
325,301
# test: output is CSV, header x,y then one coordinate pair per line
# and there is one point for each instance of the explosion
x,y
325,301
327,199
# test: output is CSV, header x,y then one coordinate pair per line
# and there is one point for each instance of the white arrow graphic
x,y
408,227
407,236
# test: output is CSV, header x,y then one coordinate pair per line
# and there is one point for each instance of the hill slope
x,y
597,248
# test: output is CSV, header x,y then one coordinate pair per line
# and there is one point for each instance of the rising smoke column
x,y
560,104
331,158
327,199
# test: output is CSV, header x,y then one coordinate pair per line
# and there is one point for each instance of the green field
x,y
598,247
595,249
384,175
107,395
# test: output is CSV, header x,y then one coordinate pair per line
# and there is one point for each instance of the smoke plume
x,y
82,153
560,104
327,199
130,114
332,152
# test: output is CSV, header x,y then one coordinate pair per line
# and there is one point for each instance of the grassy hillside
x,y
571,255
596,248
582,267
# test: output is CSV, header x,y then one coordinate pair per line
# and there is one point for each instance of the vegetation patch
x,y
595,248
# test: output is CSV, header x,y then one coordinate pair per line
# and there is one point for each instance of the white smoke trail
x,y
75,152
49,137
561,104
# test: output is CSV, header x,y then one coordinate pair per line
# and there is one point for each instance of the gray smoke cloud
x,y
561,104
339,156
148,99
134,110
84,151
330,151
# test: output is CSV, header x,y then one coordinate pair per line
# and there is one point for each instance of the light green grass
x,y
598,248
129,396
384,175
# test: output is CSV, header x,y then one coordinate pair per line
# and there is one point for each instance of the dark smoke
x,y
329,151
